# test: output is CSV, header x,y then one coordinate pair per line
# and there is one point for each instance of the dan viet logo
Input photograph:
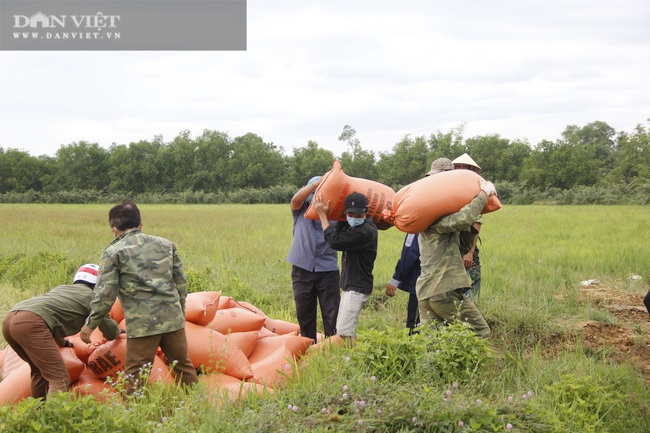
x,y
97,26
27,25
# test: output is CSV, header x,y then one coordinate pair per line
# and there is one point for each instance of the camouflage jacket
x,y
146,274
441,263
65,308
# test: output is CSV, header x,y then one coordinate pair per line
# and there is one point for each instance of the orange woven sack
x,y
117,313
281,326
227,302
17,386
89,384
236,320
250,307
200,307
423,202
74,365
336,186
82,349
266,333
109,357
275,369
219,384
210,351
324,344
246,341
160,371
11,362
295,344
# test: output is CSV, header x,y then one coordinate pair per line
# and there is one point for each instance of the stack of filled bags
x,y
235,346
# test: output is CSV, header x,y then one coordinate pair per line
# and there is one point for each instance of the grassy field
x,y
551,369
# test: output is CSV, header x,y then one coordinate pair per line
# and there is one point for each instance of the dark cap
x,y
356,203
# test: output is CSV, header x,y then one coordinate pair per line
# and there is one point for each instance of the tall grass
x,y
533,260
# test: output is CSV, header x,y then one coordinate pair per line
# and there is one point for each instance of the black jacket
x,y
359,246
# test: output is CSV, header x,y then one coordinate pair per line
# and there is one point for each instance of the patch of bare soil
x,y
629,339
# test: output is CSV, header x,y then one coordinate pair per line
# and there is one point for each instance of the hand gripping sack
x,y
109,357
336,186
423,202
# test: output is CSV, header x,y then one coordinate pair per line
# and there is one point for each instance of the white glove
x,y
488,187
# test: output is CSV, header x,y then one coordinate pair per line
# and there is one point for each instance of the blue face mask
x,y
355,221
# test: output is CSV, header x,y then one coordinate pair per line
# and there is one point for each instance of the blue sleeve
x,y
410,257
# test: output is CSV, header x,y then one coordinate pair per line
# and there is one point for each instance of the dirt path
x,y
629,338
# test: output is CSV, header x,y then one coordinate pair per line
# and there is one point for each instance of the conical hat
x,y
466,159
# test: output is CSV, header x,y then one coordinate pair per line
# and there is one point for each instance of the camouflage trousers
x,y
446,307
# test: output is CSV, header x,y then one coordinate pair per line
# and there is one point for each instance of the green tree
x,y
177,163
592,151
357,162
581,158
500,159
632,158
80,166
547,166
409,161
255,164
20,171
213,152
134,167
447,145
307,162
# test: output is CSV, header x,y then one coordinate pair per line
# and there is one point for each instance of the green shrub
x,y
580,403
454,352
61,413
451,352
390,354
199,281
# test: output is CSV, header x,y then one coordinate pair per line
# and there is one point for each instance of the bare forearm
x,y
324,221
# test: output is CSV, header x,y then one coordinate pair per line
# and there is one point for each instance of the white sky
x,y
522,69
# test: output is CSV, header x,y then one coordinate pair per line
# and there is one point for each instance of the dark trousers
x,y
412,312
31,338
310,289
646,301
142,350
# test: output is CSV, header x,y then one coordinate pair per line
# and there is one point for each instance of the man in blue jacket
x,y
406,274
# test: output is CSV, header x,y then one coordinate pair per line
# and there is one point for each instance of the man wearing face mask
x,y
357,239
314,268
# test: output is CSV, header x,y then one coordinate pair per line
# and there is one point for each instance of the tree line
x,y
589,164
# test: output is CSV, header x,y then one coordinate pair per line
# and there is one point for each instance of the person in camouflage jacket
x,y
443,282
146,274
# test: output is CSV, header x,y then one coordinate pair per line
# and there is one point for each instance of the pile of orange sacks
x,y
237,348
